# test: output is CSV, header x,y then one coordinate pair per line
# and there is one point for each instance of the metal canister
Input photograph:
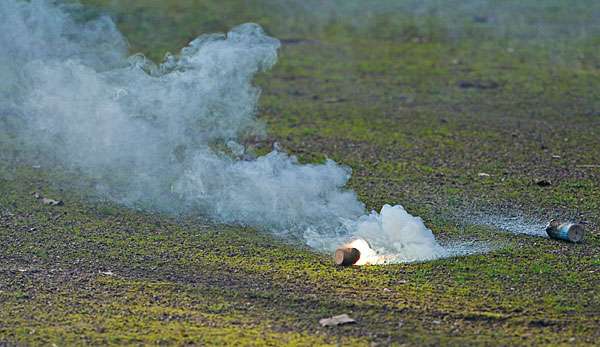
x,y
571,232
346,256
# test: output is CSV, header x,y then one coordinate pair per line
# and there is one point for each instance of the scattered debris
x,y
543,183
107,273
336,320
565,231
483,174
47,201
555,156
478,84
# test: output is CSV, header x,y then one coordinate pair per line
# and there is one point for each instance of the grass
x,y
398,111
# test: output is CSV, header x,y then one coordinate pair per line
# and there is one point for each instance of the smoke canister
x,y
346,256
565,231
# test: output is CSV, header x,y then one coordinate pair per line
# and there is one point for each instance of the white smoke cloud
x,y
148,133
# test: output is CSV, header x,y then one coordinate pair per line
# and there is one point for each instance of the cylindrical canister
x,y
346,256
565,231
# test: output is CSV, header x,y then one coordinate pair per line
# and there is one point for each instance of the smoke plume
x,y
169,137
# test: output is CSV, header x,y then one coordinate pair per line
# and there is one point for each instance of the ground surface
x,y
418,116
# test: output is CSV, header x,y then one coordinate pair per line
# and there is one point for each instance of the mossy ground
x,y
417,119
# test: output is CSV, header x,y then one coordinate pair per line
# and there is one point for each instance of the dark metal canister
x,y
346,256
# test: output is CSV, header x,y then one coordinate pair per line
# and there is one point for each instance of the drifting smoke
x,y
514,225
150,134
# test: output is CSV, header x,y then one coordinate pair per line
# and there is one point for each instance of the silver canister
x,y
571,232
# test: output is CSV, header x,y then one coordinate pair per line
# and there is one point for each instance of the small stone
x,y
478,84
332,100
483,174
52,202
543,183
336,320
480,19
